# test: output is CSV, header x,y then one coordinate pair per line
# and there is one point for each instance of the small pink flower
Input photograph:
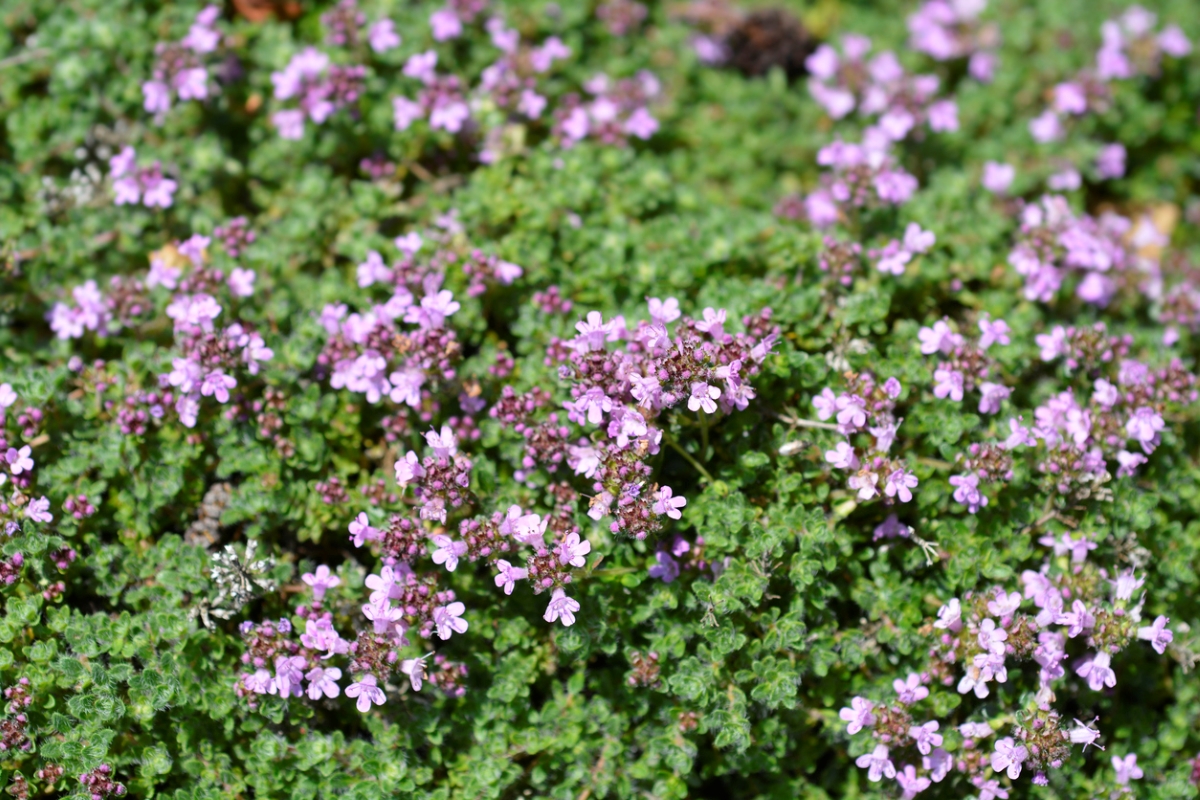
x,y
572,551
509,575
561,607
665,503
448,619
367,691
323,681
321,580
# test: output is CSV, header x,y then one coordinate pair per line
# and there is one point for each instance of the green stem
x,y
690,459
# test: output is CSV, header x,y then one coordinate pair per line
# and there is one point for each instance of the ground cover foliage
x,y
622,401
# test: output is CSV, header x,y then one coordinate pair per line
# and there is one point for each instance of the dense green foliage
x,y
755,663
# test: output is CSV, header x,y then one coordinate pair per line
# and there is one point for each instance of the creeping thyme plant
x,y
622,399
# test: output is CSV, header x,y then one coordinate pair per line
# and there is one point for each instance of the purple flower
x,y
594,404
917,240
1046,127
404,113
157,192
967,491
529,528
948,383
1110,163
289,671
641,124
593,332
381,585
1005,604
1127,768
982,67
667,568
445,25
321,581
509,575
1173,42
713,323
1009,756
1083,734
1144,426
900,484
241,282
572,551
259,683
531,104
192,84
289,122
666,503
997,177
1098,672
414,668
991,638
217,384
910,782
842,456
891,528
877,764
434,308
39,511
383,614
825,403
858,715
1078,619
19,460
448,619
1068,180
542,58
408,469
561,607
926,736
1157,634
323,681
851,412
444,444
448,551
367,691
156,98
991,396
993,332
943,116
1070,98
911,690
7,395
361,530
992,790
382,36
939,338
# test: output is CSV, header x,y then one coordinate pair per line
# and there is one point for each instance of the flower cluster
x,y
371,354
317,86
145,185
878,88
614,111
179,67
952,30
1054,242
1130,48
1072,601
861,176
965,364
620,393
865,416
